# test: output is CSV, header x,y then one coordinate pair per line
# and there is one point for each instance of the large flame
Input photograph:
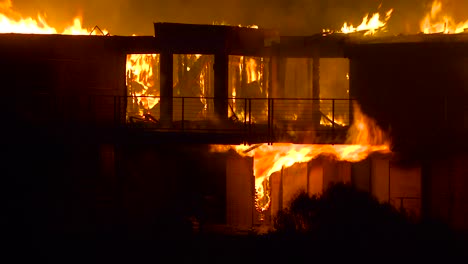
x,y
251,70
369,25
437,22
140,69
364,138
13,22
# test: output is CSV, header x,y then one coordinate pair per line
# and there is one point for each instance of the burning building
x,y
121,114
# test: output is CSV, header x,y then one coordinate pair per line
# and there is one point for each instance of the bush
x,y
341,212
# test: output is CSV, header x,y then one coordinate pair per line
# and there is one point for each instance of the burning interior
x,y
290,112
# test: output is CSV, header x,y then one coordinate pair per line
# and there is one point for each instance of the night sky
x,y
291,17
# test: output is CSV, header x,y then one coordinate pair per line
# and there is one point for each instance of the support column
x,y
166,86
280,204
281,76
353,68
273,77
316,116
221,85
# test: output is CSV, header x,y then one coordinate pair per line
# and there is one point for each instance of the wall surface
x,y
240,190
417,91
446,182
49,78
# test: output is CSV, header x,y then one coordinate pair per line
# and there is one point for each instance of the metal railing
x,y
271,118
268,118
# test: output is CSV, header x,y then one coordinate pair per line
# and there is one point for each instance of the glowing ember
x,y
437,22
224,23
250,26
364,138
12,22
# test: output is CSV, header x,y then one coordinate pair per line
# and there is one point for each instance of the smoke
x,y
291,17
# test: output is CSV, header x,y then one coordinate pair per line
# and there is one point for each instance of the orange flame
x,y
370,25
436,22
140,71
364,138
252,72
12,22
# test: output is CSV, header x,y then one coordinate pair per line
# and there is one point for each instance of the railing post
x,y
183,109
245,120
250,117
268,120
333,117
271,120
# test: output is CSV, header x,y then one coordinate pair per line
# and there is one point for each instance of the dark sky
x,y
125,17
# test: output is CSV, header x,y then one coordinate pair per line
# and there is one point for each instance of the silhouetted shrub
x,y
341,212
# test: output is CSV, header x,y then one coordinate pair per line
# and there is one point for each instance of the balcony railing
x,y
274,119
268,119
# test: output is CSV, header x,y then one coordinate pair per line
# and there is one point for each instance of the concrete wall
x,y
389,182
335,172
164,185
55,76
311,177
294,181
276,194
378,174
423,102
315,175
446,198
380,177
240,190
460,207
405,189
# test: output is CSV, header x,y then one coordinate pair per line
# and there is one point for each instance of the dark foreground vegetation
x,y
342,225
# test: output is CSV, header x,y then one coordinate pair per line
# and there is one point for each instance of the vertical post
x,y
269,121
308,179
273,74
166,85
250,117
316,88
389,182
445,112
333,117
310,82
272,133
280,76
371,161
221,85
116,112
90,115
351,94
451,196
280,196
245,120
119,110
183,109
